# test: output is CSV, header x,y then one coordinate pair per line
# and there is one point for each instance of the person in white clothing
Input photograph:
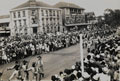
x,y
40,67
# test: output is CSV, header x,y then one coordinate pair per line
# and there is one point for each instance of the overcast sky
x,y
98,6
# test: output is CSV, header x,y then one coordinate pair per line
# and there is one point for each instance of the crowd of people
x,y
21,47
101,64
22,70
98,60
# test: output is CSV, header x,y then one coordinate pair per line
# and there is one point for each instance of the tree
x,y
112,17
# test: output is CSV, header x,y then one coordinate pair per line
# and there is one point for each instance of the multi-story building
x,y
73,15
4,25
34,17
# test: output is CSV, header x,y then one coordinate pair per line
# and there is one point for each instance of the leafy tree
x,y
112,17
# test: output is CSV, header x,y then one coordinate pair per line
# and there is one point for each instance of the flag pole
x,y
81,54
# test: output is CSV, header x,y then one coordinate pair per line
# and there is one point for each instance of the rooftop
x,y
4,16
67,5
38,4
57,5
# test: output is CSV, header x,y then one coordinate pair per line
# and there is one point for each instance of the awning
x,y
4,31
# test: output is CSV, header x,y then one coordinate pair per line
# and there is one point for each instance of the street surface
x,y
54,62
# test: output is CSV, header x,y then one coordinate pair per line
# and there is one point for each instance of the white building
x,y
73,15
34,17
4,25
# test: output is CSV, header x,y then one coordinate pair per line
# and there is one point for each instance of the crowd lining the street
x,y
101,64
19,48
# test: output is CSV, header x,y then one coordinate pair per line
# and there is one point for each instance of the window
x,y
57,13
14,14
19,14
20,24
43,21
25,31
46,13
23,13
15,23
48,30
33,12
24,21
58,28
53,13
57,19
55,28
35,30
42,12
50,12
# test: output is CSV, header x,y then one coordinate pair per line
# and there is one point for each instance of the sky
x,y
97,6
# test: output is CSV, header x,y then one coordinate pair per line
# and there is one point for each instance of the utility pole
x,y
81,54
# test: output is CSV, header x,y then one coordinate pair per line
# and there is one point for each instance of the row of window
x,y
76,11
51,29
20,31
45,29
19,14
20,22
51,20
50,13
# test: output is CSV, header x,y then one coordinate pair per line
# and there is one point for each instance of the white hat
x,y
102,54
98,56
115,58
105,69
73,67
86,75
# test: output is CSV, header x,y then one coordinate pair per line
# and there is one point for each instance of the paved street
x,y
54,62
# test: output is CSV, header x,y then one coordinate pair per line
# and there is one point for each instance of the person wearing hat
x,y
40,67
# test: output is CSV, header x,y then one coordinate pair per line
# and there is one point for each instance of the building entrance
x,y
34,30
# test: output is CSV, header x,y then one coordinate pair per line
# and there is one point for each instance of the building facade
x,y
4,25
34,17
73,15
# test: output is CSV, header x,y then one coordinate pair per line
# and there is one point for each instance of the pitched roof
x,y
4,16
67,5
38,4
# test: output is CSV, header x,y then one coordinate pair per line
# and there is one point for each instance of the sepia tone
x,y
42,41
